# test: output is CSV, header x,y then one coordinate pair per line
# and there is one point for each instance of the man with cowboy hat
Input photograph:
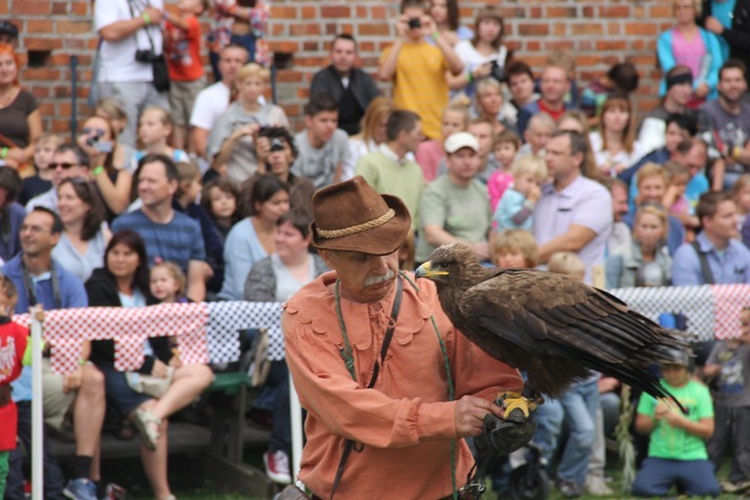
x,y
382,415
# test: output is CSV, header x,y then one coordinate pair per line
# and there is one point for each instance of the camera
x,y
146,56
102,147
414,23
496,71
277,144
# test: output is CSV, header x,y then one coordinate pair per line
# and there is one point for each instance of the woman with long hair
x,y
124,282
614,145
447,16
253,238
20,118
371,136
108,167
484,56
85,233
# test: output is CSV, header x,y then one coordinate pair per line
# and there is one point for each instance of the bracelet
x,y
146,18
736,152
3,153
470,77
82,362
98,170
435,36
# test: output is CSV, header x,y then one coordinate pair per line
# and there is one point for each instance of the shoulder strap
x,y
375,372
708,276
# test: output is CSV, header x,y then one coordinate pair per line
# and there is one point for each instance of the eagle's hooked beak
x,y
425,271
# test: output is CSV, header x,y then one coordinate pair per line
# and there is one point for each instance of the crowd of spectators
x,y
175,190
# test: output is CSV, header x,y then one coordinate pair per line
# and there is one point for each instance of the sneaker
x,y
568,489
80,489
596,486
277,466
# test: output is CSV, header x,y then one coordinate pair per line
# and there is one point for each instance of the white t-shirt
x,y
117,59
473,59
209,104
605,161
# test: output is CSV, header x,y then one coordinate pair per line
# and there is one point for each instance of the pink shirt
x,y
689,52
498,182
405,422
429,154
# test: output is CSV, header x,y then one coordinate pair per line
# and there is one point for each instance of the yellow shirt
x,y
419,84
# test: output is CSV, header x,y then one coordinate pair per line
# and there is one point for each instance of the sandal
x,y
148,426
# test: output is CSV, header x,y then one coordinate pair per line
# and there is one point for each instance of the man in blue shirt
x,y
727,258
41,280
169,235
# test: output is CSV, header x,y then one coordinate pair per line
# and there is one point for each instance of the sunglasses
x,y
64,166
91,130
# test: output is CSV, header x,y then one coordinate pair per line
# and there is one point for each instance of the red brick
x,y
374,29
618,11
378,12
337,11
590,29
278,12
559,11
533,29
31,7
656,11
75,27
42,43
38,26
304,29
611,45
641,29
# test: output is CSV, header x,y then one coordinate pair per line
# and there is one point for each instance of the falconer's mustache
x,y
376,280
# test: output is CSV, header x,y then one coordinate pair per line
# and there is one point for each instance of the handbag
x,y
161,72
148,384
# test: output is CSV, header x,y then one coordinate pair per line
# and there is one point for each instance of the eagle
x,y
553,326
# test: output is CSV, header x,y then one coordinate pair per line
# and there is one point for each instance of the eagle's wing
x,y
551,314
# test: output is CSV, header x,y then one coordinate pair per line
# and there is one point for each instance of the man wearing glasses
x,y
69,161
40,279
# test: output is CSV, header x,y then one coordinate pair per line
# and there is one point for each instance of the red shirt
x,y
555,114
12,347
183,50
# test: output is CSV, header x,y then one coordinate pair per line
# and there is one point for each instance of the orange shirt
x,y
183,50
405,422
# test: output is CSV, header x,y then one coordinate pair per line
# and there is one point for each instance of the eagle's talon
x,y
516,407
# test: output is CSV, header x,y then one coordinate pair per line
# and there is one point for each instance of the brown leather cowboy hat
x,y
352,216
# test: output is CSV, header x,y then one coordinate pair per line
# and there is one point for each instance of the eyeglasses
x,y
64,166
92,130
35,229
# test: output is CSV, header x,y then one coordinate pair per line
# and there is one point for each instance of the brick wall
x,y
599,32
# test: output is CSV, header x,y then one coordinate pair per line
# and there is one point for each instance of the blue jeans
x,y
549,419
692,477
580,404
54,482
281,427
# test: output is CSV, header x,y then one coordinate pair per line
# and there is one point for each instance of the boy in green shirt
x,y
677,452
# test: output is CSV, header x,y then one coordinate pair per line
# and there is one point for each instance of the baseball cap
x,y
461,140
8,28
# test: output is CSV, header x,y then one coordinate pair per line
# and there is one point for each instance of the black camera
x,y
497,72
95,142
277,144
146,56
414,23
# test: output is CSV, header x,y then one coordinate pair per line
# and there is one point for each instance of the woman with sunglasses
x,y
85,233
107,167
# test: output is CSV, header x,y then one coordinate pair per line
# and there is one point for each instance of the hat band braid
x,y
358,228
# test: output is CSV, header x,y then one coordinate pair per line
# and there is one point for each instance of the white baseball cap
x,y
461,140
